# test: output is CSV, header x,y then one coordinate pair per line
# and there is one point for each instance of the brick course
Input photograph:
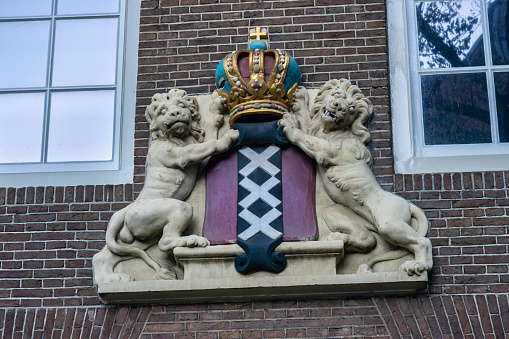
x,y
48,235
480,316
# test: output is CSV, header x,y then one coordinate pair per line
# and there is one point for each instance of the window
x,y
66,100
454,85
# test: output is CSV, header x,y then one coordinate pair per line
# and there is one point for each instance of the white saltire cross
x,y
259,192
260,224
259,160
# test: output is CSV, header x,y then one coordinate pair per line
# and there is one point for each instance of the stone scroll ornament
x,y
269,183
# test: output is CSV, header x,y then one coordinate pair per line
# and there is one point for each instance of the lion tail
x,y
419,221
386,256
115,225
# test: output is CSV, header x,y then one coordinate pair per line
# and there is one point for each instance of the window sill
x,y
452,164
67,178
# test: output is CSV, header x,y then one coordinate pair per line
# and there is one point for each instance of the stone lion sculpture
x,y
159,215
336,138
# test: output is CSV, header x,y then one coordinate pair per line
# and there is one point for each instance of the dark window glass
x,y
450,34
502,96
498,18
455,109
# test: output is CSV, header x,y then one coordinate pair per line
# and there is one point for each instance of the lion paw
x,y
364,268
338,236
193,241
414,267
287,122
165,274
228,140
168,244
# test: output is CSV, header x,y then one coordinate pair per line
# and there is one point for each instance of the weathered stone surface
x,y
355,256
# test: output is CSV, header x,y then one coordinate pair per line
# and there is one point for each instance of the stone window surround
x,y
406,157
124,173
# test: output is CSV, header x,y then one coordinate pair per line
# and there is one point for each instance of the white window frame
x,y
410,156
121,168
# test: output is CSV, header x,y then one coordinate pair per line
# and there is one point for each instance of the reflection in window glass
x,y
81,126
87,7
455,109
450,33
498,18
502,97
21,122
85,52
14,8
23,53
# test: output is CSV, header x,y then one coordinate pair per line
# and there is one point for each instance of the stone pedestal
x,y
209,275
304,259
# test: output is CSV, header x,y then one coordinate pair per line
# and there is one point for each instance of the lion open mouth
x,y
331,115
178,128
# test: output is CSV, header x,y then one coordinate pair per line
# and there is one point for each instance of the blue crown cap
x,y
258,44
222,82
293,75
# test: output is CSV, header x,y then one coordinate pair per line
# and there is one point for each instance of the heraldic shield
x,y
266,185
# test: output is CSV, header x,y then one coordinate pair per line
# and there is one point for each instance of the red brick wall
x,y
449,316
180,46
48,235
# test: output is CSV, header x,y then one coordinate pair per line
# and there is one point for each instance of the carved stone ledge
x,y
311,272
304,258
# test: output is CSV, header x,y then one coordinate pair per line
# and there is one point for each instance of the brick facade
x,y
48,235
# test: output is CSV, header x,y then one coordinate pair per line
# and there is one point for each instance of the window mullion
x,y
486,34
492,107
489,75
119,80
49,68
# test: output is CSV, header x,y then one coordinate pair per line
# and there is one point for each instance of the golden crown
x,y
257,84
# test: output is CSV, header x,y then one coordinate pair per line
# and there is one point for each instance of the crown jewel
x,y
257,84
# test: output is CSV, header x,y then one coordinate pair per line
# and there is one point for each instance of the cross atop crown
x,y
258,34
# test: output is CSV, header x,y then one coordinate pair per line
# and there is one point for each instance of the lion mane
x,y
181,97
356,100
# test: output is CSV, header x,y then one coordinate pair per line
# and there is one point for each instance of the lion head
x,y
339,105
174,115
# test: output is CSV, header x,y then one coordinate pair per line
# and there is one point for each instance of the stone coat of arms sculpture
x,y
265,195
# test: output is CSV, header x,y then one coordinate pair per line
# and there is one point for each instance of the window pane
x,y
21,125
81,126
23,53
16,8
450,33
502,97
85,52
86,6
498,14
455,109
